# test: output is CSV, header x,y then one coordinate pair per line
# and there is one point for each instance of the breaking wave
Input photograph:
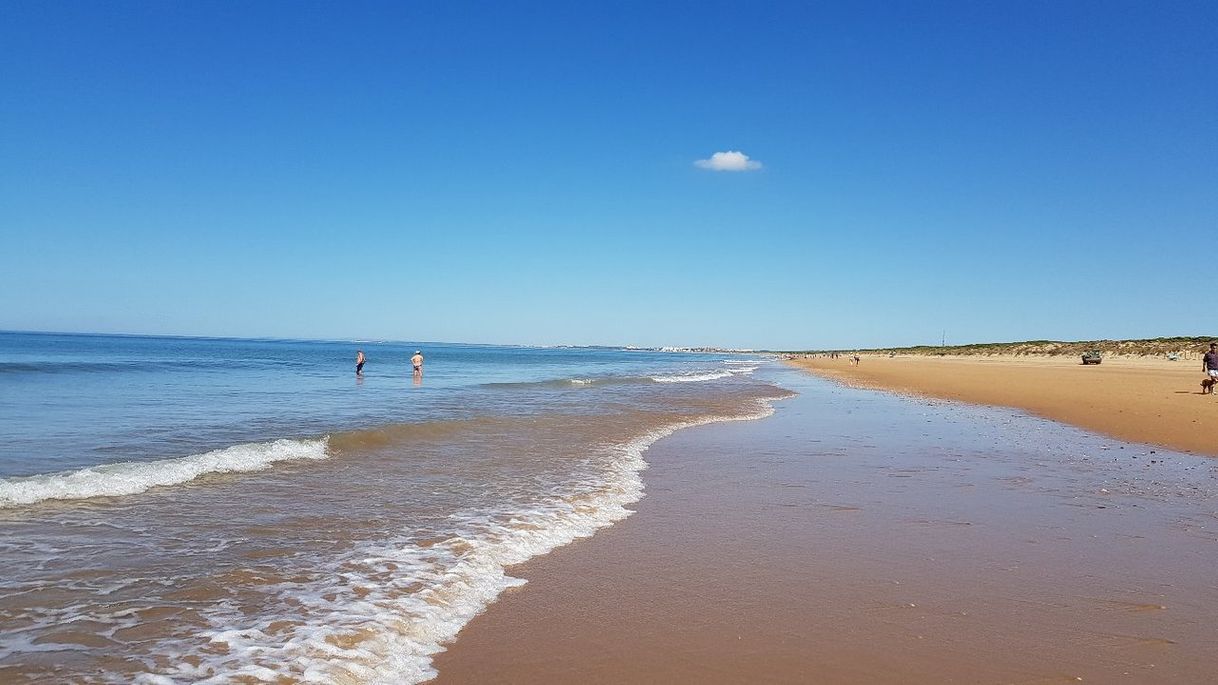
x,y
130,478
380,612
693,377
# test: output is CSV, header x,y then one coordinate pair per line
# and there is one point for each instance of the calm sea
x,y
215,510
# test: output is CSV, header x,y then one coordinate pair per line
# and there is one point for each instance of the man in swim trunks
x,y
417,361
359,362
1209,363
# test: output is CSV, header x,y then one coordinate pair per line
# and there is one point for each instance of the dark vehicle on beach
x,y
1092,357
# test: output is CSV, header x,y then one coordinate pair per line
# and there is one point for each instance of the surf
x,y
132,478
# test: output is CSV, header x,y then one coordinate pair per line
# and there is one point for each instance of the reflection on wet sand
x,y
857,537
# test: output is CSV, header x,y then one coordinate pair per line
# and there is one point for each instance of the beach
x,y
866,537
593,515
399,343
1151,400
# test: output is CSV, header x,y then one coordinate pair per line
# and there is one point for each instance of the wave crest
x,y
692,377
131,477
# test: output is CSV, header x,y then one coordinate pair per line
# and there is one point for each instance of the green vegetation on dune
x,y
1152,347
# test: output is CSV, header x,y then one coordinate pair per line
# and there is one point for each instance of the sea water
x,y
217,510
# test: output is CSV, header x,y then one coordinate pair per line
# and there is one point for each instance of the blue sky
x,y
525,172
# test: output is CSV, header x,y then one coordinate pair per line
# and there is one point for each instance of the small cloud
x,y
728,161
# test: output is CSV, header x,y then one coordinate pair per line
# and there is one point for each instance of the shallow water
x,y
185,510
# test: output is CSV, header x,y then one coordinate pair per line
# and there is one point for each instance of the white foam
x,y
131,477
692,377
413,597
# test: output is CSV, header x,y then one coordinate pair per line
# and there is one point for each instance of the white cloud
x,y
728,161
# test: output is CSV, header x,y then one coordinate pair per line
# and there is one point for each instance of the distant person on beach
x,y
417,361
359,362
1209,364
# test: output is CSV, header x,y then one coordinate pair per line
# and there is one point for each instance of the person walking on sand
x,y
359,362
417,361
1209,364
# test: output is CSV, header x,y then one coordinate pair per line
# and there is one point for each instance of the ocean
x,y
215,510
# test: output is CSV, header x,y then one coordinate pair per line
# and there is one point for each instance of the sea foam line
x,y
413,600
133,477
692,377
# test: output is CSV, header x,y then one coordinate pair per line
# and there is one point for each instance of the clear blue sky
x,y
525,172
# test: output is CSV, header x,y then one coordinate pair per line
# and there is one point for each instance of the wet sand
x,y
862,537
1141,400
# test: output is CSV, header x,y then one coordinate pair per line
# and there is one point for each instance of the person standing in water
x,y
359,362
417,362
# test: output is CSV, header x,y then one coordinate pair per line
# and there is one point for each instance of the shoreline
x,y
859,537
1151,401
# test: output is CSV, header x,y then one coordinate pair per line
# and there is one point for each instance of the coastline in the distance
x,y
1144,391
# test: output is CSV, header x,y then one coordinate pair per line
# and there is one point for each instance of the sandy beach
x,y
865,537
1150,400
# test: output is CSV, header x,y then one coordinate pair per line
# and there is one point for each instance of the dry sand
x,y
1140,400
861,537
